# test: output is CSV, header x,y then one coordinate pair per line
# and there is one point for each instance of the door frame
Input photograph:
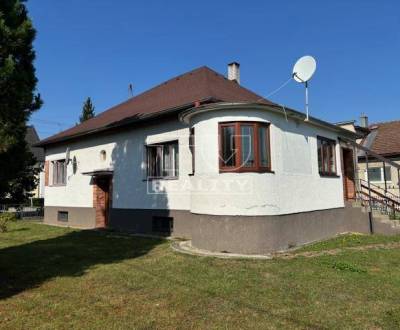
x,y
348,151
102,199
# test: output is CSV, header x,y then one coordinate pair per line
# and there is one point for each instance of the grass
x,y
350,240
61,278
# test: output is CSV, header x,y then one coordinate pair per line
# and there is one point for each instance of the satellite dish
x,y
303,71
67,157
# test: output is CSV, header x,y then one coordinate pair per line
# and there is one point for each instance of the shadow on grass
x,y
28,265
18,229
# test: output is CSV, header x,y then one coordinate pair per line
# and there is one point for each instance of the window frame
x,y
54,166
238,167
176,161
333,144
382,175
192,148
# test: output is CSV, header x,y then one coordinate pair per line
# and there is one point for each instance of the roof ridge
x,y
385,122
236,84
144,93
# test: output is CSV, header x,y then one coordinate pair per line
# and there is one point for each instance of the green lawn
x,y
61,278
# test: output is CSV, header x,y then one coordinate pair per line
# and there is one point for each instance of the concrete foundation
x,y
235,234
78,217
260,235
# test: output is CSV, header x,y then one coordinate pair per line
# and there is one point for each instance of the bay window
x,y
163,160
326,156
244,147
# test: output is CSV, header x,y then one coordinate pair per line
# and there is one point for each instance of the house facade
x,y
201,157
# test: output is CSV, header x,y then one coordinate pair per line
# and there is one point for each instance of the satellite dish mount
x,y
303,70
67,156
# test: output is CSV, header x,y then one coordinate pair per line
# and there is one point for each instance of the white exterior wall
x,y
296,185
125,153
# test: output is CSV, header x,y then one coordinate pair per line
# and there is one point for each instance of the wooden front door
x,y
102,200
348,174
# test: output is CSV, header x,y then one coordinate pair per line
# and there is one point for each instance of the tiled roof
x,y
387,138
202,84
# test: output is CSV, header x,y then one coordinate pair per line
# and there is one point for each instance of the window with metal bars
x,y
163,160
59,170
326,156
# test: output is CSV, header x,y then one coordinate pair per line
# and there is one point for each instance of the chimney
x,y
234,72
363,120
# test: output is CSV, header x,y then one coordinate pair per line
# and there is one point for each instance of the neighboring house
x,y
361,130
32,138
200,156
384,140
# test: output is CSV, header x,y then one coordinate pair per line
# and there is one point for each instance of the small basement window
x,y
162,225
62,216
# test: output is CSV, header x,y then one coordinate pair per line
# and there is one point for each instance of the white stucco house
x,y
202,157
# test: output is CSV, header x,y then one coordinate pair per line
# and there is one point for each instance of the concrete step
x,y
356,204
393,223
379,214
379,217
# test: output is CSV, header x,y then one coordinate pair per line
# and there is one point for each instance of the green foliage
x,y
345,266
349,240
5,219
87,110
37,202
17,98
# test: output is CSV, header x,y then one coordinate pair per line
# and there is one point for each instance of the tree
x,y
87,110
18,99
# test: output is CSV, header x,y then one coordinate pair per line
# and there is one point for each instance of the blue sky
x,y
96,48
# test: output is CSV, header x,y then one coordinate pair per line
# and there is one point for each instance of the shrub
x,y
37,202
338,265
5,219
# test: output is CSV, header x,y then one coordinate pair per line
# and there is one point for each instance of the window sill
x,y
246,171
162,178
325,175
58,185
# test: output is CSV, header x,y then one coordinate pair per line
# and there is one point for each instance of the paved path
x,y
187,248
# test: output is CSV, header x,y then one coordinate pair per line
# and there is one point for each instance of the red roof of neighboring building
x,y
387,138
202,84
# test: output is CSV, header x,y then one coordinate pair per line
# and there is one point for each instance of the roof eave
x,y
276,108
122,123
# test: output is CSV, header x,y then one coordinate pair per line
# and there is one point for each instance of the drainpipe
x,y
371,229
